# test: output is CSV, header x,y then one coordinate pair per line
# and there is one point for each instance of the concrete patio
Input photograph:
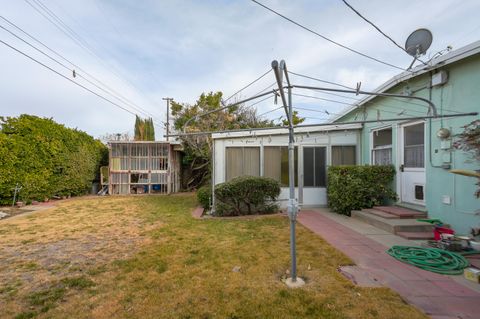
x,y
439,296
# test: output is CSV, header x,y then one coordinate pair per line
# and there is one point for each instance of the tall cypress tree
x,y
137,134
144,129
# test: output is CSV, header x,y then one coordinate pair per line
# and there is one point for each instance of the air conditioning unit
x,y
439,78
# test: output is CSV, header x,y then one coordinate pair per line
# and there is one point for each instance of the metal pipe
x,y
278,77
432,106
329,124
293,208
292,205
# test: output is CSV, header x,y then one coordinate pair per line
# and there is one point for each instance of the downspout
x,y
430,126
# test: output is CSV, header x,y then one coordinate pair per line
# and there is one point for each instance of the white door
x,y
412,163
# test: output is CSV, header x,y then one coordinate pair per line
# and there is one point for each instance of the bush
x,y
46,159
356,187
246,195
204,195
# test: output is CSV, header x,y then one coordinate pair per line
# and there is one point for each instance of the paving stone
x,y
437,295
197,212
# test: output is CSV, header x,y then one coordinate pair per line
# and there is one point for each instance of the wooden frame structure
x,y
143,167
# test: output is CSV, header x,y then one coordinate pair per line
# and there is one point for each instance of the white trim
x,y
284,131
373,131
441,61
400,156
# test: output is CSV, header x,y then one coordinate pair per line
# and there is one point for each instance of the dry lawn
x,y
145,257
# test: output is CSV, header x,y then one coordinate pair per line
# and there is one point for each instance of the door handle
x,y
401,168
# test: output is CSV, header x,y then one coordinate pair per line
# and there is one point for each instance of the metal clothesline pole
x,y
280,70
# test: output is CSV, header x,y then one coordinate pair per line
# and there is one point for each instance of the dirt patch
x,y
73,239
13,211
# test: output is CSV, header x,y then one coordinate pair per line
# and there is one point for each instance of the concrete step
x,y
416,235
380,213
401,212
393,225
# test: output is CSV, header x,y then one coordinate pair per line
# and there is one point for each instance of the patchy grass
x,y
145,257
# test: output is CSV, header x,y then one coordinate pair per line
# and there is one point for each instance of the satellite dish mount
x,y
417,44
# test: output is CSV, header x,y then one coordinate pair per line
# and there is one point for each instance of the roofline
x,y
284,131
144,142
446,59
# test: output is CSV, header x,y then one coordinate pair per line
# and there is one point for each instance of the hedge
x,y
204,196
356,187
246,195
46,159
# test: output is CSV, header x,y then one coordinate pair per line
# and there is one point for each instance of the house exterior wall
x,y
312,196
460,94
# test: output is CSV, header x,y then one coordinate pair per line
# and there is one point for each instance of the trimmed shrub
x,y
246,195
204,195
356,187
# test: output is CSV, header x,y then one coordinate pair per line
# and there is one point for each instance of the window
x,y
275,164
139,157
382,147
343,155
314,166
413,149
242,161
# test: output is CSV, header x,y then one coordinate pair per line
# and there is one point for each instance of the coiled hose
x,y
431,259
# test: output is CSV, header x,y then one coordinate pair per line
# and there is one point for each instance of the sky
x,y
139,52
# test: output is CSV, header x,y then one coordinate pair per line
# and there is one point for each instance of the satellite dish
x,y
418,42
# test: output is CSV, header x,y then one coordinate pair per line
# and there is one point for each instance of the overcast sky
x,y
147,50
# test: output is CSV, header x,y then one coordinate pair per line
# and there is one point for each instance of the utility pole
x,y
168,99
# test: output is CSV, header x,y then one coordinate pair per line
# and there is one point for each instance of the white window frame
x,y
384,147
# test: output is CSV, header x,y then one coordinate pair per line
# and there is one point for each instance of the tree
x,y
144,129
469,141
296,119
198,148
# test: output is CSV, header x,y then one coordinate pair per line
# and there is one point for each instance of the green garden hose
x,y
432,259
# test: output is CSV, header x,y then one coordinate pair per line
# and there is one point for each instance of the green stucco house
x,y
422,149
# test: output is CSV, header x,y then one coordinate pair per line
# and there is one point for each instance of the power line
x,y
66,67
379,30
77,39
328,39
60,25
260,101
68,79
249,84
109,90
373,25
320,80
275,109
261,91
